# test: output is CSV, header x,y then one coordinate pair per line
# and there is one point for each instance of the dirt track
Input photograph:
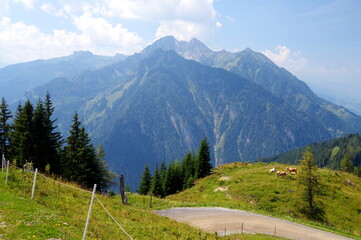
x,y
228,221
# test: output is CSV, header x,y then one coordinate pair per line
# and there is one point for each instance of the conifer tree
x,y
81,162
157,188
174,178
22,136
163,178
310,186
145,183
188,170
5,128
204,166
105,177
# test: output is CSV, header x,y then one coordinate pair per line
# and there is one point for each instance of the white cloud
x,y
105,36
21,42
285,57
190,10
28,4
4,7
183,19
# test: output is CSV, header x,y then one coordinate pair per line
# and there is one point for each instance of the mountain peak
x,y
82,54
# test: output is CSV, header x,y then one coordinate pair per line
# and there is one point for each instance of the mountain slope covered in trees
x,y
328,154
153,108
278,81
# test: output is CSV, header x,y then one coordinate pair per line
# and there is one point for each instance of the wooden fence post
x,y
7,172
34,183
122,189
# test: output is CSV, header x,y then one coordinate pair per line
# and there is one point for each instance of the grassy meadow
x,y
252,187
59,212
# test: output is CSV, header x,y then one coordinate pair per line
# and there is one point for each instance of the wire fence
x,y
29,175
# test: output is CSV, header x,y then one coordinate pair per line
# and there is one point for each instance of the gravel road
x,y
228,221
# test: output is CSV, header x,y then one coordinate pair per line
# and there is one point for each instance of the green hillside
x,y
59,212
327,153
254,188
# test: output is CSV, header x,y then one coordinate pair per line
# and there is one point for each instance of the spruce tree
x,y
203,164
82,164
22,136
163,178
145,182
5,128
188,170
310,187
105,177
157,188
40,137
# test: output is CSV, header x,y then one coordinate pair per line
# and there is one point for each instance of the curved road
x,y
228,221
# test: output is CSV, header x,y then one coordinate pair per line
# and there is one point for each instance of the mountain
x,y
278,81
155,107
26,76
326,153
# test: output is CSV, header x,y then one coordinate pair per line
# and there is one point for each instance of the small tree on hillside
x,y
310,187
145,182
346,164
203,163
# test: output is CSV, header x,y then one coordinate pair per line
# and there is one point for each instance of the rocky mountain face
x,y
278,81
26,76
157,105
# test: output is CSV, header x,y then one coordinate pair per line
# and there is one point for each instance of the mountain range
x,y
26,76
158,104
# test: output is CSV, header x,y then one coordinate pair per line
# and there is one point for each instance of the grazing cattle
x,y
272,170
348,182
281,173
292,170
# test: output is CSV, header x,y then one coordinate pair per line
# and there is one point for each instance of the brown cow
x,y
281,173
292,170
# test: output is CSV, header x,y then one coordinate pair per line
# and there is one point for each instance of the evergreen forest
x,y
177,176
29,139
342,153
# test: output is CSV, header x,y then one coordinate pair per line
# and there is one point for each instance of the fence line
x,y
76,188
113,218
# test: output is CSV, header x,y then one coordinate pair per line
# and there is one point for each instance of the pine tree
x,y
174,180
346,164
145,182
54,138
22,136
105,177
163,178
310,186
157,188
82,164
204,166
5,128
188,170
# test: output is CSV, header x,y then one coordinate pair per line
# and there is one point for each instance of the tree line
x,y
342,153
177,176
31,137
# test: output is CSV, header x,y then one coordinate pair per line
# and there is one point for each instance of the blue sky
x,y
318,41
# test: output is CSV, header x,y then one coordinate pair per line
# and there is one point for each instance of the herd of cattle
x,y
291,170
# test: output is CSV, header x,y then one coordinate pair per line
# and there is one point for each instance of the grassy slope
x,y
253,188
60,212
